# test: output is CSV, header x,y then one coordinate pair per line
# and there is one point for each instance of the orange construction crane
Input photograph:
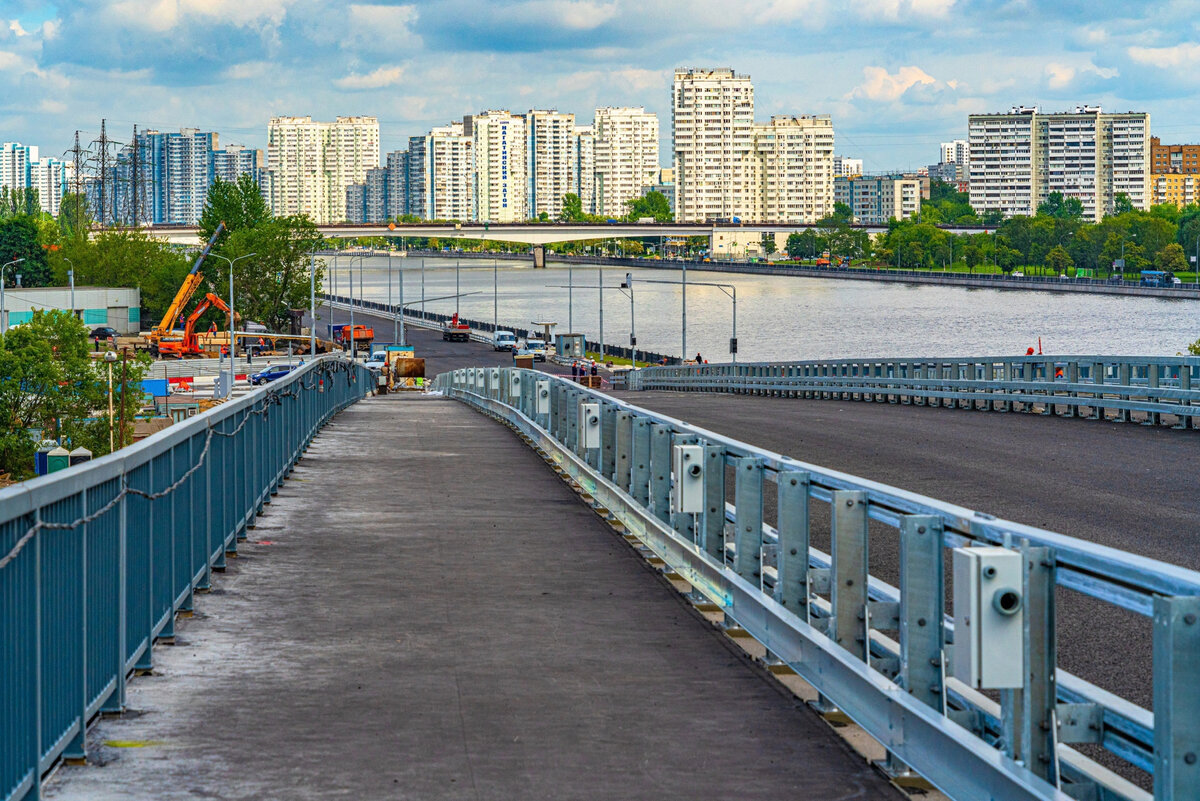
x,y
190,284
189,343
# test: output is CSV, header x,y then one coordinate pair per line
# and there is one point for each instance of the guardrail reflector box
x,y
543,397
989,615
687,465
589,425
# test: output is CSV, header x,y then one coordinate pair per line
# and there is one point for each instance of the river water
x,y
780,317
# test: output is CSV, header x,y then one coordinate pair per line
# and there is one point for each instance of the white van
x,y
504,340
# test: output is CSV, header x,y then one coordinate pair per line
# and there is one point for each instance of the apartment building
x,y
583,165
876,199
21,168
397,184
626,156
441,174
1175,188
233,161
498,174
844,165
311,163
1175,159
551,166
958,153
1019,158
712,129
790,170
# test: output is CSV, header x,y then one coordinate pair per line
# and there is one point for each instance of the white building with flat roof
x,y
311,164
626,156
583,165
792,162
712,129
844,165
499,176
550,160
440,174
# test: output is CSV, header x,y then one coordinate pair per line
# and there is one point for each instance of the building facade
x,y
1176,188
21,168
311,163
498,173
958,153
551,165
1018,159
1177,159
876,199
712,128
440,170
583,163
844,165
792,170
626,156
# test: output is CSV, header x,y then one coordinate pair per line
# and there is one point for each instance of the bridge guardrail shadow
x,y
888,657
1107,387
96,560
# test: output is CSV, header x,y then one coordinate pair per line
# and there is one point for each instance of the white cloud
x,y
247,70
52,106
384,76
1180,55
164,15
879,84
575,15
629,79
1059,76
15,27
380,27
13,61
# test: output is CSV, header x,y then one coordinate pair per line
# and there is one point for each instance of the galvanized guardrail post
x,y
1176,698
660,471
714,502
791,584
748,537
640,476
624,447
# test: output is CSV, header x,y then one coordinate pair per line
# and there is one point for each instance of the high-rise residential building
x,y
665,186
1019,158
712,122
583,165
233,161
876,199
626,156
440,174
312,163
397,184
844,165
1176,159
179,169
550,161
498,150
792,163
356,203
1176,188
958,153
21,168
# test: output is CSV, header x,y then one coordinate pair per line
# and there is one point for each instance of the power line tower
x,y
104,178
77,155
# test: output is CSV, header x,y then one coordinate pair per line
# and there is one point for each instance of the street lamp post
x,y
600,284
570,298
3,313
312,306
632,325
110,356
71,278
729,289
232,336
495,296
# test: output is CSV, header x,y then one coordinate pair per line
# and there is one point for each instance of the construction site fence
x,y
98,559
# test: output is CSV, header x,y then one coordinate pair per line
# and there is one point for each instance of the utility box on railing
x,y
543,397
989,616
514,386
494,381
589,425
687,493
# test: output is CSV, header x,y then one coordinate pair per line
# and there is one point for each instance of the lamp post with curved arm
x,y
232,338
3,313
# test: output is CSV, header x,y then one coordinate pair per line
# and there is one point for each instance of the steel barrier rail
x,y
1119,385
891,676
96,560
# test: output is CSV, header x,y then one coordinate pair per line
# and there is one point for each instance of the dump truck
x,y
361,336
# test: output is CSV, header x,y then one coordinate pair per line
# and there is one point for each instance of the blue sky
x,y
898,76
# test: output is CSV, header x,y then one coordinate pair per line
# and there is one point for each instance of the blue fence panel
x,y
96,560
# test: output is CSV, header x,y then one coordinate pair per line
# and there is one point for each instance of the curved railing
x,y
96,560
1110,387
887,656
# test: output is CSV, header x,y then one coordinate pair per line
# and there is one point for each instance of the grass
x,y
616,360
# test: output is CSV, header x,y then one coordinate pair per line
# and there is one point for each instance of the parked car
x,y
533,346
103,332
270,373
504,340
377,361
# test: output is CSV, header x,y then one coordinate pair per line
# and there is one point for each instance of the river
x,y
780,317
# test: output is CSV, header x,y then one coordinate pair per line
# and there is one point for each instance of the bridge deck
x,y
426,612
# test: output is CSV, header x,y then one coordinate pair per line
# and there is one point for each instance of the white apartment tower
x,y
958,153
712,118
626,156
312,163
440,174
550,160
845,166
792,163
583,160
498,142
1019,158
20,168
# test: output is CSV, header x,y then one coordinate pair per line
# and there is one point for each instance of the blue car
x,y
271,373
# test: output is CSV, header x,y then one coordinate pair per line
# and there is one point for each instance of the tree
x,y
1171,259
74,219
276,278
971,255
19,239
653,204
572,208
238,204
1122,204
1064,208
14,202
1058,260
768,243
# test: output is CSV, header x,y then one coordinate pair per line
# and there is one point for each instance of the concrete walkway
x,y
427,612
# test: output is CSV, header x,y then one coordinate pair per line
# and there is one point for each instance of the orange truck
x,y
361,336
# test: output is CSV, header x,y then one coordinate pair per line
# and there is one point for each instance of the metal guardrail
x,y
1108,387
96,560
879,653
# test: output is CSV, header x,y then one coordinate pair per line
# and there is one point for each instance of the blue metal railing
x,y
1108,387
895,675
96,560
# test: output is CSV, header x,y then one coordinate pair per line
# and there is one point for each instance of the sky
x,y
898,76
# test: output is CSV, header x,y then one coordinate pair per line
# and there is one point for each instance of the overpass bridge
x,y
413,602
541,233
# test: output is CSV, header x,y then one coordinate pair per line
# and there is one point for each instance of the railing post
x,y
624,448
1039,696
640,455
1124,372
714,502
848,587
791,582
922,609
683,523
608,436
1176,698
1152,380
660,470
748,504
